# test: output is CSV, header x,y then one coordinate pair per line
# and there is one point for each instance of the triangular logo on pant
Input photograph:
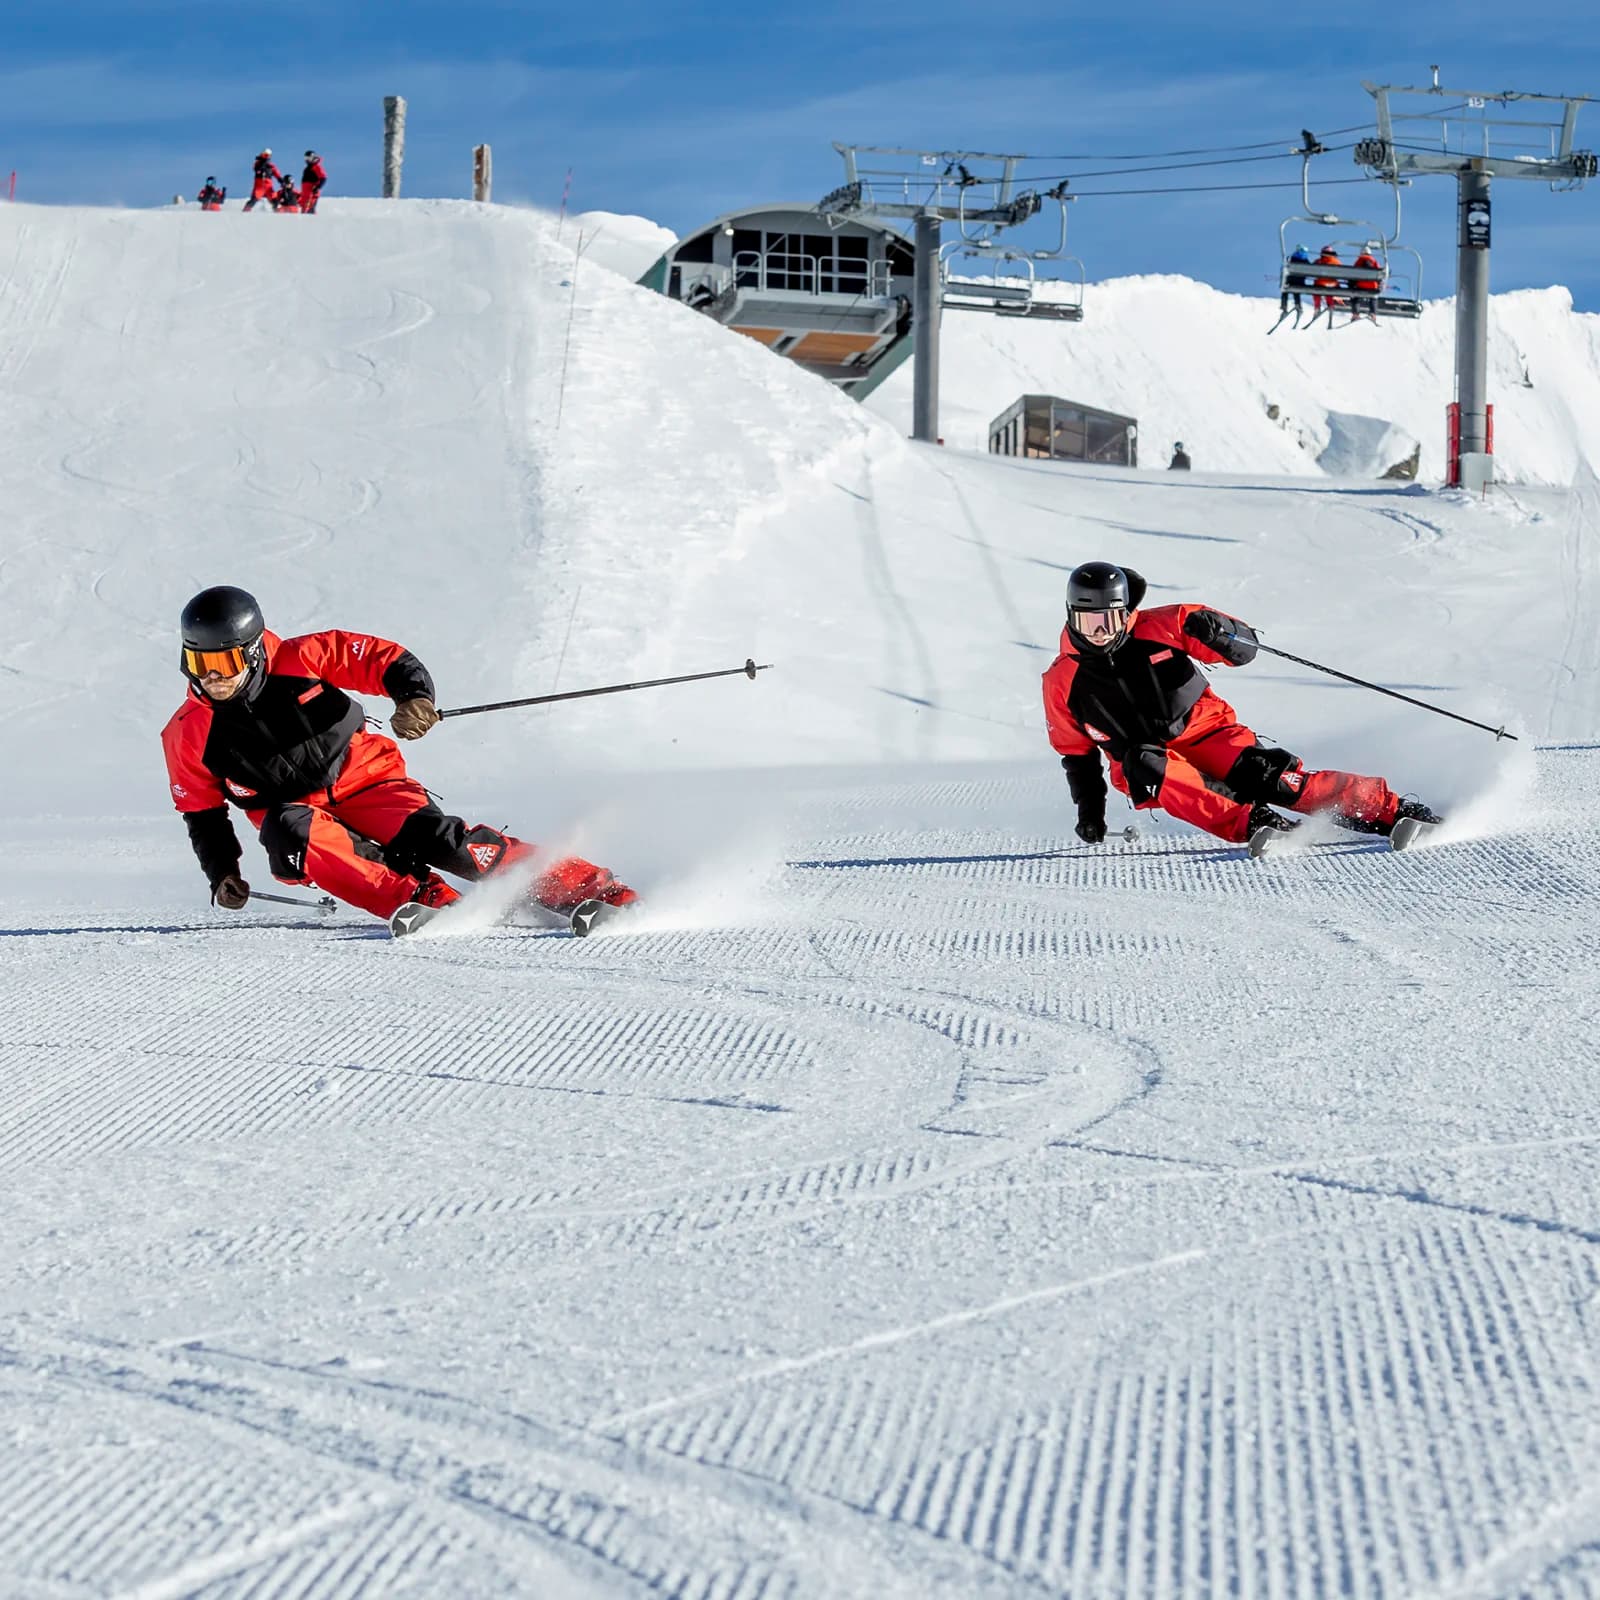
x,y
486,855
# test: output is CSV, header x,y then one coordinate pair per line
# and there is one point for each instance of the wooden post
x,y
394,144
482,173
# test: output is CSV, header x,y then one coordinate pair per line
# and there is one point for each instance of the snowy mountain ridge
x,y
1197,364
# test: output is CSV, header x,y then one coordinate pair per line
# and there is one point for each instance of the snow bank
x,y
1192,363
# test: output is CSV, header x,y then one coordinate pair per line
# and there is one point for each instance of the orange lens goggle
x,y
226,663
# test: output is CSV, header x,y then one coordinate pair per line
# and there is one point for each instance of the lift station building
x,y
836,299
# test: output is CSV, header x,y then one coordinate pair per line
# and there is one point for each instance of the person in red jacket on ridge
x,y
267,726
264,180
288,197
211,197
1126,686
311,182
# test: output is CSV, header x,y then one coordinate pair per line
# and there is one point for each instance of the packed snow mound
x,y
1365,447
441,422
625,244
1192,363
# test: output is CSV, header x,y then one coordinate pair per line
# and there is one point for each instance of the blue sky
x,y
681,112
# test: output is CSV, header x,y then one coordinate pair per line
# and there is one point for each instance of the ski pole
x,y
1316,666
748,670
326,904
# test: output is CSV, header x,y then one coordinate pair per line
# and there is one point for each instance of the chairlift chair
x,y
1399,291
1010,287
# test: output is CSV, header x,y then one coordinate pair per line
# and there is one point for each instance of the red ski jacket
x,y
286,734
1144,692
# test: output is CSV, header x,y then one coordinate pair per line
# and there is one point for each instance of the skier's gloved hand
x,y
1091,826
413,718
230,892
1211,628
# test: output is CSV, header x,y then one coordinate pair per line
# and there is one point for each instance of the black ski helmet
x,y
1097,586
221,619
1100,586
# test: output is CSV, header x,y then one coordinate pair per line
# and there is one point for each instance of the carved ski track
x,y
611,1508
33,313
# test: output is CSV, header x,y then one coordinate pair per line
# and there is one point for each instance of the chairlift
x,y
1010,285
1392,288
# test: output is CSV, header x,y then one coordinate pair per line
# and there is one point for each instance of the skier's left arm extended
x,y
1203,632
368,665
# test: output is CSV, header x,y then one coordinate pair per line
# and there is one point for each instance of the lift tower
x,y
1472,140
933,187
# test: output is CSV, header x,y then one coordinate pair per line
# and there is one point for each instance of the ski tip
x,y
589,916
411,916
1260,841
1409,831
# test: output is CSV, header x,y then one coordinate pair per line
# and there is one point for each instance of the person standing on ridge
x,y
264,180
311,181
1126,686
267,725
1180,458
211,197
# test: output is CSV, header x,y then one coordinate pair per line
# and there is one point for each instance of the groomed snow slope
x,y
919,1202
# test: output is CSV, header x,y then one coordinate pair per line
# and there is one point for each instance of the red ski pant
x,y
1200,778
336,838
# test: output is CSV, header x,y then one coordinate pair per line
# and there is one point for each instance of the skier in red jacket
x,y
264,180
288,197
268,726
211,197
312,179
1126,686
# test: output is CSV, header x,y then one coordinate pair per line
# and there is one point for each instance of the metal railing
x,y
790,271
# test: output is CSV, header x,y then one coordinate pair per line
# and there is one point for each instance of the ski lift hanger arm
x,y
1503,96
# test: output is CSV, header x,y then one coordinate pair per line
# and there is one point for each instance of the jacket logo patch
x,y
1095,734
238,789
1294,782
179,790
358,648
484,854
1160,655
311,693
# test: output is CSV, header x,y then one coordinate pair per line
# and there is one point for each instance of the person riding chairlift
x,y
1369,287
1294,281
1328,258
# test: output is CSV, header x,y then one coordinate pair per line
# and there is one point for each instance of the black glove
x,y
1211,628
230,892
1091,826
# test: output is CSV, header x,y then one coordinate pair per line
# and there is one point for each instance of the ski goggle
x,y
225,663
1090,622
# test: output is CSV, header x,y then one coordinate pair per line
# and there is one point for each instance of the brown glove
x,y
413,718
230,892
